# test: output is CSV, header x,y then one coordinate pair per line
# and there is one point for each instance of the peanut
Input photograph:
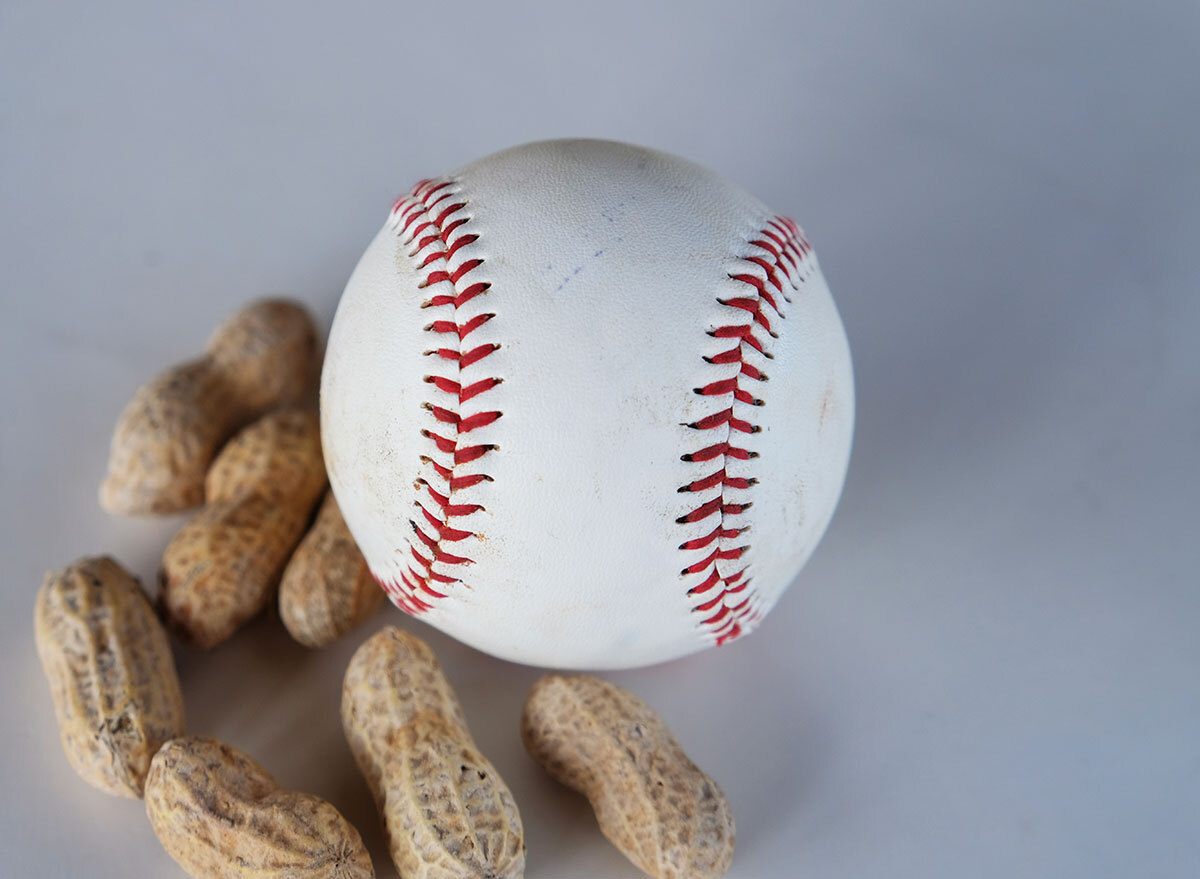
x,y
651,801
222,568
116,694
263,356
219,814
447,814
327,588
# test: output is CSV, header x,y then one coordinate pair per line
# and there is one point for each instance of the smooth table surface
x,y
990,667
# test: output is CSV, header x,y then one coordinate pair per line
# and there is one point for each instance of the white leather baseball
x,y
546,410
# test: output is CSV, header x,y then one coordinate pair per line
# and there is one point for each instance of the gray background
x,y
990,667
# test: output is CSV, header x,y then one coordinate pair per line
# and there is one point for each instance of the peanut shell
x,y
650,799
111,673
223,567
393,676
220,814
327,588
263,356
446,811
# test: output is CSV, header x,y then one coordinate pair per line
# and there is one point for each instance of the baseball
x,y
587,405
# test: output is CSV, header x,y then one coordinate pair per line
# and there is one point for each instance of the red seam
x,y
425,218
727,603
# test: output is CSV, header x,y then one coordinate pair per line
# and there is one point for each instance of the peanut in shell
x,y
224,566
264,355
218,813
447,813
327,588
650,799
112,677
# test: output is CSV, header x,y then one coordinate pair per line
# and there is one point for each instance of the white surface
x,y
608,265
989,667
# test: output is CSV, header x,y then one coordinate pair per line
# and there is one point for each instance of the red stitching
x,y
726,601
431,219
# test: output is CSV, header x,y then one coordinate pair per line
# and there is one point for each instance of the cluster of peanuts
x,y
236,432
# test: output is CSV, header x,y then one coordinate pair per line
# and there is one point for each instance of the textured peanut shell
x,y
223,567
392,677
116,693
651,801
263,356
219,814
327,588
446,812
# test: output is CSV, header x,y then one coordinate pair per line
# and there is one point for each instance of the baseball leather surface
x,y
587,405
